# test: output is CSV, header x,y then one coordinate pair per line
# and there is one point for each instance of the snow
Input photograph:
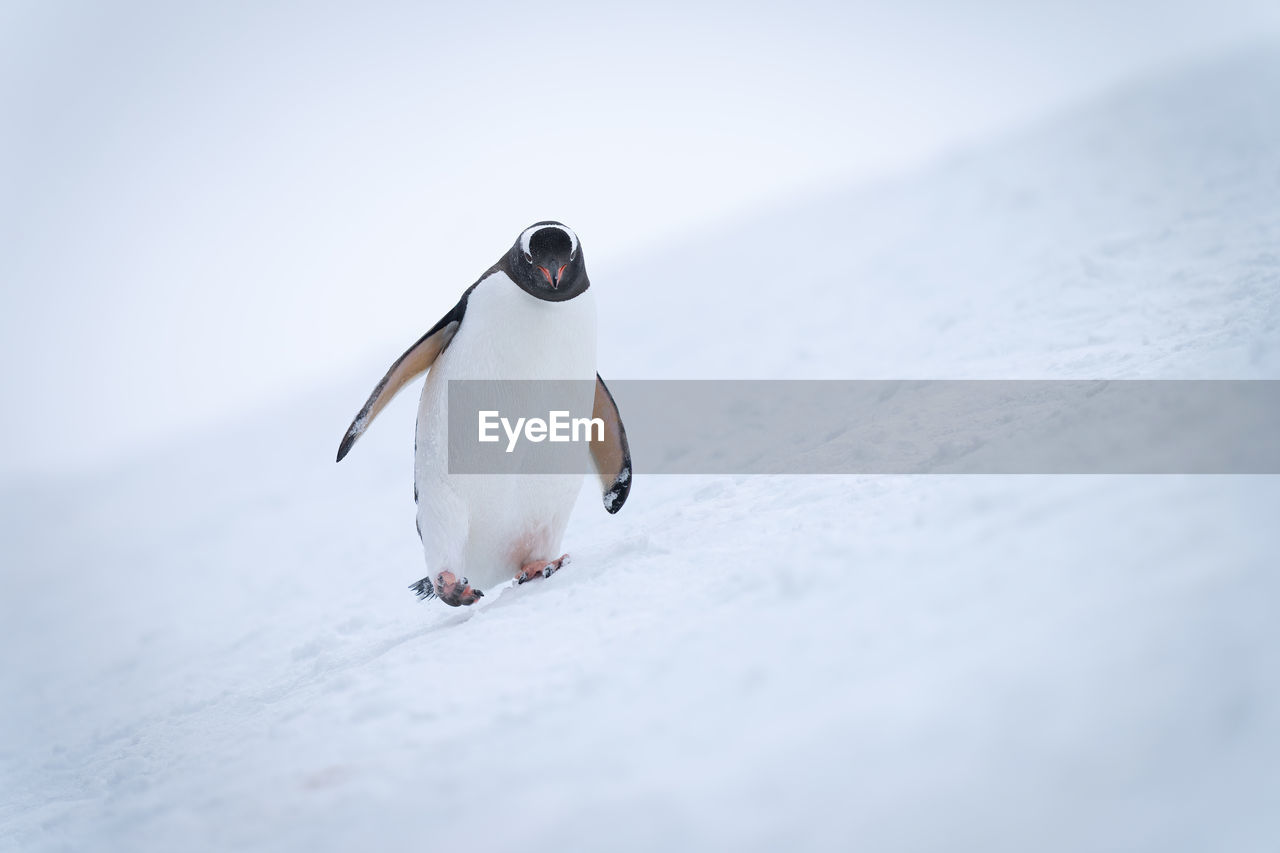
x,y
213,647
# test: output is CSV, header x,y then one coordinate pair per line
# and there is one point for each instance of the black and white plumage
x,y
530,316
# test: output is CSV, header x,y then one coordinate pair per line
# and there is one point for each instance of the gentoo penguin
x,y
531,315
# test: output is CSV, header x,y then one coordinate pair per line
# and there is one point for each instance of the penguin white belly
x,y
485,526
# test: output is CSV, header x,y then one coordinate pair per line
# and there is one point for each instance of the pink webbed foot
x,y
449,588
541,568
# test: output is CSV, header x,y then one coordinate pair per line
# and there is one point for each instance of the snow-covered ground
x,y
213,647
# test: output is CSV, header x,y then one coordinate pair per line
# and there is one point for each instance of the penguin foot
x,y
543,568
450,589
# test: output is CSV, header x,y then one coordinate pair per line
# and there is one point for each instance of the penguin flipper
x,y
612,456
415,362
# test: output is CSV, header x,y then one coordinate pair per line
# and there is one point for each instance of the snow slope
x,y
214,648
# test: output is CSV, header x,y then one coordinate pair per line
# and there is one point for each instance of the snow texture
x,y
213,648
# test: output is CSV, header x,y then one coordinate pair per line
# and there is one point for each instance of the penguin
x,y
531,315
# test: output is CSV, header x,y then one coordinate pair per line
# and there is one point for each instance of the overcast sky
x,y
208,207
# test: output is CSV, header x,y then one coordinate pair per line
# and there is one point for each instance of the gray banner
x,y
876,427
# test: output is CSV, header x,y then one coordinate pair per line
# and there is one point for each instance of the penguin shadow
x,y
512,594
456,617
359,657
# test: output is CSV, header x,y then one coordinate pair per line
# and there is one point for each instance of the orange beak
x,y
553,280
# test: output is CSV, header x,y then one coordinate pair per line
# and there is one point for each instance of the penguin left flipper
x,y
415,362
612,456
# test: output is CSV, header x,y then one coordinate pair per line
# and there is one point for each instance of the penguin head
x,y
546,261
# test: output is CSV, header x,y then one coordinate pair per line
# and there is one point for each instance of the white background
x,y
207,207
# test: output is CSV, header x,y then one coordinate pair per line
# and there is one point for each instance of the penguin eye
x,y
528,258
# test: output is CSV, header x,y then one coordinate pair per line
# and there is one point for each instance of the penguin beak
x,y
553,278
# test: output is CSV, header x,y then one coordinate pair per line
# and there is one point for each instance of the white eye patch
x,y
527,235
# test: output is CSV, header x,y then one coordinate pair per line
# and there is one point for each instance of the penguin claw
x,y
543,568
452,591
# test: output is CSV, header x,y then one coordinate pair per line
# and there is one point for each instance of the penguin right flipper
x,y
612,456
415,362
